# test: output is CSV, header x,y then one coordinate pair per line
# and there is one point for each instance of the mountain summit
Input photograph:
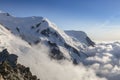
x,y
37,30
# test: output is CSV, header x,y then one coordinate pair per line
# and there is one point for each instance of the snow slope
x,y
12,43
80,36
36,30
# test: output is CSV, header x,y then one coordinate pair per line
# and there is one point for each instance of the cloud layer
x,y
105,60
46,69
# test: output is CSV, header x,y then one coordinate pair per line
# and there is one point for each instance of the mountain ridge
x,y
37,30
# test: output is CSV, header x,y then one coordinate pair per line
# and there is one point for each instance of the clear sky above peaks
x,y
100,19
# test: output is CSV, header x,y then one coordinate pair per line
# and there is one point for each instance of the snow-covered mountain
x,y
80,36
35,30
32,39
36,41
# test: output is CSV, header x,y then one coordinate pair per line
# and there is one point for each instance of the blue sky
x,y
98,18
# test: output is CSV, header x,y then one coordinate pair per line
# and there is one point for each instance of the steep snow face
x,y
36,30
80,36
13,43
20,26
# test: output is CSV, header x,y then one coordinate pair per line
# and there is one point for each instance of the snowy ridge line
x,y
35,30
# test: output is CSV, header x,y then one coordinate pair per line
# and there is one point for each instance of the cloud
x,y
47,69
103,63
105,60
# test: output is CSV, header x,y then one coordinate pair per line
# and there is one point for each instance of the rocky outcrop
x,y
55,51
10,70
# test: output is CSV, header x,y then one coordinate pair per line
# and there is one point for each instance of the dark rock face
x,y
10,70
38,25
55,52
90,42
11,58
18,30
75,62
37,41
46,32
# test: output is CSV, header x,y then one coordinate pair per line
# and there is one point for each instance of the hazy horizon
x,y
98,18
